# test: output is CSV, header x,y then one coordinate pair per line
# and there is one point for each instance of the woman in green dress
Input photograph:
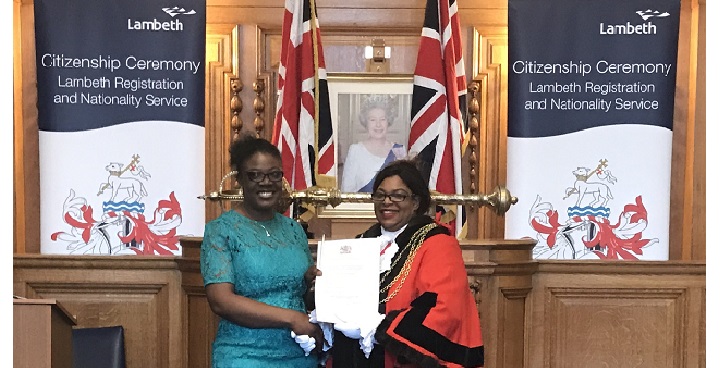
x,y
257,268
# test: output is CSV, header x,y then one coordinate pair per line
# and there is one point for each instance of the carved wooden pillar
x,y
236,106
474,112
259,106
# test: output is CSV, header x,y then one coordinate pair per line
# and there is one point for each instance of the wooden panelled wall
x,y
237,54
534,314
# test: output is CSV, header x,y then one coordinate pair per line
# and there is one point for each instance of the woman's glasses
x,y
259,176
395,197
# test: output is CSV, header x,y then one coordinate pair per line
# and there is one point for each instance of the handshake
x,y
364,331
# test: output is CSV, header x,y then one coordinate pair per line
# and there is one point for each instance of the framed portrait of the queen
x,y
371,117
371,120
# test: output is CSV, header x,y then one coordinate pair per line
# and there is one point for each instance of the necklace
x,y
254,222
263,226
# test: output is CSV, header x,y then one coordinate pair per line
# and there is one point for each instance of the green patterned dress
x,y
265,261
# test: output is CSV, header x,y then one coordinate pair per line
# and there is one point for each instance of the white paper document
x,y
349,286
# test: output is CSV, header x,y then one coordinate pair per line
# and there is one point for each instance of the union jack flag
x,y
438,126
303,127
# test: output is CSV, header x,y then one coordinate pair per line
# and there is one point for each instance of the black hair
x,y
410,174
245,147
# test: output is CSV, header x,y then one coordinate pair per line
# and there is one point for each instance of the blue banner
x,y
581,64
591,89
121,114
101,63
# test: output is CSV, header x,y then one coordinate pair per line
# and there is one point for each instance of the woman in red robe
x,y
430,315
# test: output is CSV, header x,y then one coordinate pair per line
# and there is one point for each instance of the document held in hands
x,y
349,286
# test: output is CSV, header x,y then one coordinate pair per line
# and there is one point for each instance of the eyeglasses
x,y
395,197
259,176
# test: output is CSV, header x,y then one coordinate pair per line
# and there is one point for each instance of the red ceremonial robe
x,y
431,315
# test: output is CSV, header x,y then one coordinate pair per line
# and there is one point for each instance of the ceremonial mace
x,y
499,200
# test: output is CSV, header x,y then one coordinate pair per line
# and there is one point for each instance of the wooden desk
x,y
42,334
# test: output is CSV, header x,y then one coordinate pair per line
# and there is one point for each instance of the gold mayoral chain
x,y
414,244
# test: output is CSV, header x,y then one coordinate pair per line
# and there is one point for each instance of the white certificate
x,y
349,285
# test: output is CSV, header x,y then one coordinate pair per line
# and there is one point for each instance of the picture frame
x,y
351,98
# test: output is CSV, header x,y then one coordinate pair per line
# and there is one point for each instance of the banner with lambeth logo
x,y
590,111
121,116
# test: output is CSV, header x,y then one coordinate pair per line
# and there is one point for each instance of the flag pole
x,y
316,77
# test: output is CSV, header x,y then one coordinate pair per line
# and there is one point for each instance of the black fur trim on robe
x,y
412,329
